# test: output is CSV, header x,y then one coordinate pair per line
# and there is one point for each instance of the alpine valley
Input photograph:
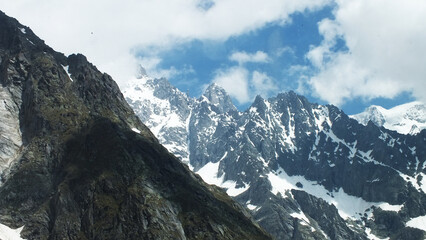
x,y
305,171
77,163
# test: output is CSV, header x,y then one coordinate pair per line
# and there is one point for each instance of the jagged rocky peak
x,y
414,130
17,38
163,88
260,107
286,101
179,102
218,97
141,72
259,104
375,116
293,101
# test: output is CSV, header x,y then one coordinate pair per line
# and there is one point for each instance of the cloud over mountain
x,y
384,56
112,32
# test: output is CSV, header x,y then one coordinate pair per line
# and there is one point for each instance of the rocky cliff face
x,y
304,170
76,163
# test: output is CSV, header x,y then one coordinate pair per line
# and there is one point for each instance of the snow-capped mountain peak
x,y
409,118
372,113
164,109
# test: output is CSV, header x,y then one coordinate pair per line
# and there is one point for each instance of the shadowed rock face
x,y
78,171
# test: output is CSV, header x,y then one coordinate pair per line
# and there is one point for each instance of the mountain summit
x,y
409,118
76,162
217,97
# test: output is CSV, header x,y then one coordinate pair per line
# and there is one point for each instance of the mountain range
x,y
305,171
81,160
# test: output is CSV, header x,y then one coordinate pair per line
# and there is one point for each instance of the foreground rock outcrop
x,y
76,163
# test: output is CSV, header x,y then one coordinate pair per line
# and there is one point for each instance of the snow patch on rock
x,y
418,222
7,233
210,174
347,205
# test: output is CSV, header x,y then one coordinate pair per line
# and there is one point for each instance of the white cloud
x,y
243,85
153,69
151,65
263,84
386,54
244,57
285,50
301,74
109,31
235,81
297,70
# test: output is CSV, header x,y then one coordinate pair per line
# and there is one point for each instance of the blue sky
x,y
350,53
286,46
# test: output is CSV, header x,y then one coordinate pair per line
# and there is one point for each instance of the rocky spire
x,y
141,72
218,97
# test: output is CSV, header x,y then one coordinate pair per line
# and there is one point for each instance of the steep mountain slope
x,y
409,118
304,170
76,163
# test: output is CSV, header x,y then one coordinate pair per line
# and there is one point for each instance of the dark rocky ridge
x,y
82,173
